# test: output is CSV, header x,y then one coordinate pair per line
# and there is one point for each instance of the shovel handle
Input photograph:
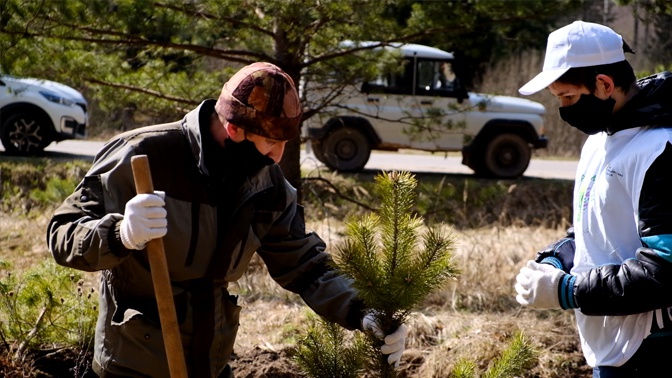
x,y
161,279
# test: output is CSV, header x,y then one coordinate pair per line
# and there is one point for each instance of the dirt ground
x,y
255,363
67,363
260,363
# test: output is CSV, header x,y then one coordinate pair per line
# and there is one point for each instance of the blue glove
x,y
544,286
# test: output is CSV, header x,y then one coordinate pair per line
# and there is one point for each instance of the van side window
x,y
426,77
397,82
436,78
447,80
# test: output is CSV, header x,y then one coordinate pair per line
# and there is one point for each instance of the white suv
x,y
35,112
423,106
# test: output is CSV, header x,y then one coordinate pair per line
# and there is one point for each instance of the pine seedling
x,y
464,369
392,263
519,356
45,305
326,352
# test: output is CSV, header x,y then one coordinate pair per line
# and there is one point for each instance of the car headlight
x,y
57,99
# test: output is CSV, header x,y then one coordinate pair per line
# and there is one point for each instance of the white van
x,y
423,106
34,113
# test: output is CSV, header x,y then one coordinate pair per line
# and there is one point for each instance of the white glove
x,y
144,220
538,286
395,343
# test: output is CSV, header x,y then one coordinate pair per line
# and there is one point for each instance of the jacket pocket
x,y
138,346
227,313
149,309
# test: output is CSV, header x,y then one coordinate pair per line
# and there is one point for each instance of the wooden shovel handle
x,y
161,279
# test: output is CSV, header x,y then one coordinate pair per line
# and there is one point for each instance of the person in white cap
x,y
223,198
614,267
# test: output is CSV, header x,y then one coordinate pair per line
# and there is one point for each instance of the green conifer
x,y
394,265
394,262
326,351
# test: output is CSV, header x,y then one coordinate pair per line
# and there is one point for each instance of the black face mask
x,y
234,160
590,114
242,159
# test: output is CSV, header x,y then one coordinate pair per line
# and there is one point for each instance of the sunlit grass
x,y
498,225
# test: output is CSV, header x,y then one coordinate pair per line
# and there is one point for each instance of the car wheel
x,y
506,156
346,150
25,134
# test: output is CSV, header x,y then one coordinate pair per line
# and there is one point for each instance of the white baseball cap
x,y
579,44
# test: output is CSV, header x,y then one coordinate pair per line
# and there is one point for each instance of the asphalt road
x,y
402,161
438,163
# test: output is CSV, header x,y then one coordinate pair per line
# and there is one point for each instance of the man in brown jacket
x,y
223,198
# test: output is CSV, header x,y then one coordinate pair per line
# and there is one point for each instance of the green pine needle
x,y
393,260
464,369
518,357
392,270
324,352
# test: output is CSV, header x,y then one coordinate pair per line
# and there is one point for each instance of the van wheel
x,y
318,149
24,134
506,156
346,150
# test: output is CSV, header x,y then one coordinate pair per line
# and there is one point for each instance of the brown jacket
x,y
214,228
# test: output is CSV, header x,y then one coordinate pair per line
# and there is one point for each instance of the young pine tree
x,y
326,351
393,260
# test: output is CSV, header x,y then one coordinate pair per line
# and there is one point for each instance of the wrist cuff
x,y
125,240
114,240
566,295
552,260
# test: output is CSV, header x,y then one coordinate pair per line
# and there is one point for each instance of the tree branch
x,y
141,90
338,192
24,344
239,56
233,21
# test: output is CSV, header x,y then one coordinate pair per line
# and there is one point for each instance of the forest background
x,y
145,62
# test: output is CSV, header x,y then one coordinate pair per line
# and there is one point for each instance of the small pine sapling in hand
x,y
393,260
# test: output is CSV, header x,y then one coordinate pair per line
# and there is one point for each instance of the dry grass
x,y
22,240
489,259
472,317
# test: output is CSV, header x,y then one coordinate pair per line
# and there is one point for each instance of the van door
x,y
414,107
440,120
386,104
